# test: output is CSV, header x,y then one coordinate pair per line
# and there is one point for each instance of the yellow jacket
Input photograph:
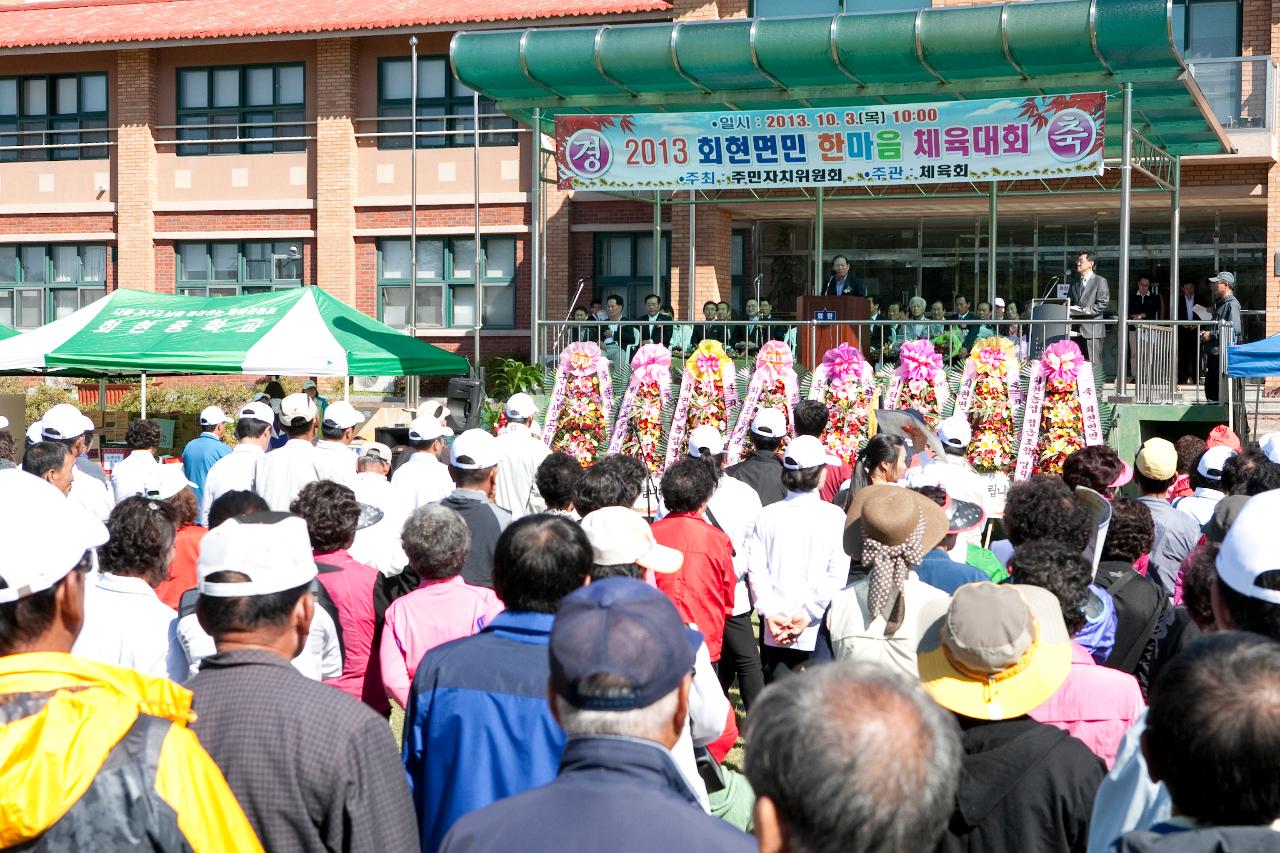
x,y
62,716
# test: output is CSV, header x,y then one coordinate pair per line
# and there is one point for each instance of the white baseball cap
x,y
999,302
271,548
474,450
165,481
257,411
706,440
521,406
1271,446
375,450
64,422
769,422
430,409
35,433
805,451
4,422
297,406
955,432
427,428
261,397
213,415
1212,460
1248,550
45,533
342,415
619,535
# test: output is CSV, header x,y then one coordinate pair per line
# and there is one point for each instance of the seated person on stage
x,y
583,333
726,334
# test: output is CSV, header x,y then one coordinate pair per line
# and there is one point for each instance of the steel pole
x,y
411,382
478,255
819,226
692,298
535,239
992,253
1126,192
657,244
143,393
1175,266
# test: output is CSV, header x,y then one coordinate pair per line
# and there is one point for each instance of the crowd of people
x,y
205,656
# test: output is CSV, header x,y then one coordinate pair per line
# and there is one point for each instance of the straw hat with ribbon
x,y
993,652
889,529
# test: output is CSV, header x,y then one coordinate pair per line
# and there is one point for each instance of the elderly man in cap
x,y
795,561
877,617
473,465
1226,310
129,475
1154,470
423,478
260,718
954,473
520,452
65,423
95,755
762,470
284,472
895,754
622,704
378,545
203,451
478,727
239,470
335,458
734,507
990,654
1207,481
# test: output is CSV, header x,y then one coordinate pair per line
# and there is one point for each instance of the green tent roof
x,y
1006,50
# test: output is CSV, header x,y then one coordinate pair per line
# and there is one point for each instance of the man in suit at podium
x,y
841,283
1090,293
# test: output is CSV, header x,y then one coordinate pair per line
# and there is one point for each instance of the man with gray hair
x,y
619,687
444,607
851,758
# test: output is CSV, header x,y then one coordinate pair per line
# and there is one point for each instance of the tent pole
x,y
411,382
992,253
1175,268
346,389
144,394
1126,193
535,238
478,259
692,298
819,226
102,393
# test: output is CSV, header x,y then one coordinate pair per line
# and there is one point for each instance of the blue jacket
x,y
198,457
617,794
478,727
941,572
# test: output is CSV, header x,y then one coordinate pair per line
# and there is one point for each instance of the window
x,y
53,111
446,282
247,102
1207,29
444,103
232,269
624,265
39,284
783,8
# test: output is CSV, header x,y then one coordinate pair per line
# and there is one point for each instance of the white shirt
x,y
126,625
336,461
130,475
285,470
424,479
520,453
736,506
1199,504
857,634
91,493
708,712
319,659
379,544
238,471
796,561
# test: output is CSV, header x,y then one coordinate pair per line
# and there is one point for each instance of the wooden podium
x,y
829,337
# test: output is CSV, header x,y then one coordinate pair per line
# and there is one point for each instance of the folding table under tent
x,y
296,332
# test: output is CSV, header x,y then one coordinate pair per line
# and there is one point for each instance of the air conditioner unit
x,y
374,384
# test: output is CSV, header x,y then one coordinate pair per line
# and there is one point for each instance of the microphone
x,y
1050,285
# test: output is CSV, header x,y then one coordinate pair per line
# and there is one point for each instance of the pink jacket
x,y
433,614
1095,704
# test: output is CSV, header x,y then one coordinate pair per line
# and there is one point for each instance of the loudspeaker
x,y
465,400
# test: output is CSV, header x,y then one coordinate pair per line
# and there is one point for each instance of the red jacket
x,y
703,588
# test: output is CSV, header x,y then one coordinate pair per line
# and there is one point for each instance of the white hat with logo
x,y
271,548
46,534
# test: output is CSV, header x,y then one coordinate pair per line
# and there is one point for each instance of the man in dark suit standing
x,y
1184,308
1091,294
841,283
1144,305
650,331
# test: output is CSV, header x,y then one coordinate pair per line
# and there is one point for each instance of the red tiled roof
x,y
113,21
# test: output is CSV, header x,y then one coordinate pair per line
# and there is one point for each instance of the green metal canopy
x,y
1007,50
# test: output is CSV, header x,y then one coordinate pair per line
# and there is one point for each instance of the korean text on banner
x,y
1056,136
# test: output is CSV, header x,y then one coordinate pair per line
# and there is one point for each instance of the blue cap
x,y
623,628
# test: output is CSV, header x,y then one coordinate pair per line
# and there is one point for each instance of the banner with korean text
x,y
1056,136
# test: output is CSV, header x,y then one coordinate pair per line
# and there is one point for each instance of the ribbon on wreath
x,y
1062,363
918,362
583,358
709,369
651,365
774,365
